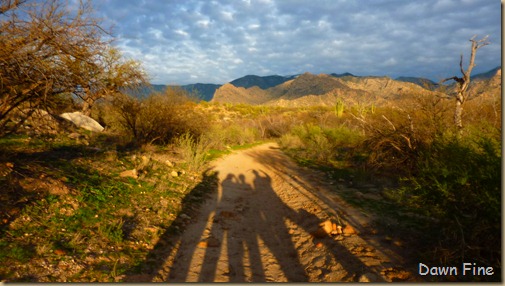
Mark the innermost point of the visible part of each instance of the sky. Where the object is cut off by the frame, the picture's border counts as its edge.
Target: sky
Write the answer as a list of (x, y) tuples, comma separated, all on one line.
[(202, 41)]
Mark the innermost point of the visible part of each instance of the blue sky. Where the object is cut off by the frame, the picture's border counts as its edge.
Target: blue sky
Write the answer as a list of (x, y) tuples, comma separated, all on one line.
[(190, 41)]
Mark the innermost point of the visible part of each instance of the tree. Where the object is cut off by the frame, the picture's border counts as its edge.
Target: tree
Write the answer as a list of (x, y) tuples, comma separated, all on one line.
[(463, 83), (49, 48), (114, 73)]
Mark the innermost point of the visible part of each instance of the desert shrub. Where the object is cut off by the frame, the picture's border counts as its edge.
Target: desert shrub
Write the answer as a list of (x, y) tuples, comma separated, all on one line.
[(318, 143), (194, 151), (221, 135), (158, 118), (396, 135), (458, 182), (274, 125)]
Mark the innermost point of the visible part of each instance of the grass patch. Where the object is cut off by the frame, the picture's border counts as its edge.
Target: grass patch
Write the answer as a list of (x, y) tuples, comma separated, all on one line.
[(65, 202)]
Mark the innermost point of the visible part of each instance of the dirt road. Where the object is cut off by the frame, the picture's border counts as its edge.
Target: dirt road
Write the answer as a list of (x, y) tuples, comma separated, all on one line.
[(262, 224)]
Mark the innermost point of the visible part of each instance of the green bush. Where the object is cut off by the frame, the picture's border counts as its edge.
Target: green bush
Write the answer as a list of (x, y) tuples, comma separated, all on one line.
[(458, 182), (194, 151), (321, 144)]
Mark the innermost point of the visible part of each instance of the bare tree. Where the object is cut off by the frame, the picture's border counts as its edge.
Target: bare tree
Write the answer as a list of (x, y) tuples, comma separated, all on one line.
[(114, 73), (463, 83), (48, 48)]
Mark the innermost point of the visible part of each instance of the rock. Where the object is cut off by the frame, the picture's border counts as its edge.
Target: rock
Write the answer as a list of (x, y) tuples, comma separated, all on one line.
[(174, 174), (319, 261), (74, 135), (129, 173), (60, 252), (168, 163), (83, 121), (369, 277), (348, 230), (39, 122), (185, 216), (338, 238), (326, 226)]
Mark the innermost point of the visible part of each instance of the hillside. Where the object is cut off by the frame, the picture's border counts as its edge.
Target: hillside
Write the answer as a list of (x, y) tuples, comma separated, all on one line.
[(232, 94), (204, 91), (323, 89), (262, 82)]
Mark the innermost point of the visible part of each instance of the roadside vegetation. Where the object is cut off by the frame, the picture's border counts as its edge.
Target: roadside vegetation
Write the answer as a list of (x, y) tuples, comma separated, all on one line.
[(96, 205)]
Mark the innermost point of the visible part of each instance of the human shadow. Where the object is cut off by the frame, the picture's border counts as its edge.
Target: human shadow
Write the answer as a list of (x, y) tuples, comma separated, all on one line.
[(172, 237), (240, 236), (263, 229)]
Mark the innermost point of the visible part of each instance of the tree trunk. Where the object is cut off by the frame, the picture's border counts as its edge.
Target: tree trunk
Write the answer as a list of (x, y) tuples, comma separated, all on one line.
[(458, 112)]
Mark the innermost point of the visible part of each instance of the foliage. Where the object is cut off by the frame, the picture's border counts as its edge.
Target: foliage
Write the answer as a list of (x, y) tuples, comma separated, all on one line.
[(50, 50), (194, 152), (318, 143), (458, 183), (157, 118), (98, 216)]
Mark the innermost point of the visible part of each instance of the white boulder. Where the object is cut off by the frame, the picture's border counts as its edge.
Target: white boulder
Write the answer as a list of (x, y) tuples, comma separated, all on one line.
[(83, 121)]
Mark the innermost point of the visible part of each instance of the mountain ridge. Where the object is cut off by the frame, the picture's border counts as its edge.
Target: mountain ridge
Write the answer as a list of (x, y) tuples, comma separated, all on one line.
[(272, 87)]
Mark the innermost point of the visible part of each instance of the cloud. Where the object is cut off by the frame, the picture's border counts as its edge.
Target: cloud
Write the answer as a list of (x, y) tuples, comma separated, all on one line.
[(218, 41)]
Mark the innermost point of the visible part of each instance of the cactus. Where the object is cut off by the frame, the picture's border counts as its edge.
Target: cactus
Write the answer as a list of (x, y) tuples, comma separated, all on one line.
[(339, 108)]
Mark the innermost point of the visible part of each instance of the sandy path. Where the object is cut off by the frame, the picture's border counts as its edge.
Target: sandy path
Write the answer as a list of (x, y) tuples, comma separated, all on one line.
[(258, 226)]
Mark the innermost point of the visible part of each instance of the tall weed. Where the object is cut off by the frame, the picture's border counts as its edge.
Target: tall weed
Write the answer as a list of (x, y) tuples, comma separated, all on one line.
[(194, 151)]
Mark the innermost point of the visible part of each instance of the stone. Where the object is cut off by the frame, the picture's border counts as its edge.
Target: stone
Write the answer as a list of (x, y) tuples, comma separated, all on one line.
[(369, 277), (60, 252), (74, 135), (185, 216), (82, 121), (326, 226), (129, 173), (348, 230), (174, 174), (319, 261), (168, 163)]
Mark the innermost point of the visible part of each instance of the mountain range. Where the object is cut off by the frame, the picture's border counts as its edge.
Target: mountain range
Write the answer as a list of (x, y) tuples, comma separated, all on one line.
[(310, 89)]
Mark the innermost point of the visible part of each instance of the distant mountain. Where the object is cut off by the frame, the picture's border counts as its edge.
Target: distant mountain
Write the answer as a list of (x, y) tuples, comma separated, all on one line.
[(487, 75), (306, 84), (262, 82), (341, 74), (322, 89), (204, 91), (423, 82)]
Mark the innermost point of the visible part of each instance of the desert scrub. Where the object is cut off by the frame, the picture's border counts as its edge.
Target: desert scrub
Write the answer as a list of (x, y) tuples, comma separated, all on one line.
[(194, 151), (320, 144), (458, 182), (158, 118), (66, 207)]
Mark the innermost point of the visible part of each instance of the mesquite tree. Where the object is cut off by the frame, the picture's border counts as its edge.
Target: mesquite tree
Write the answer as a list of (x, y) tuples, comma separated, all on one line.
[(463, 83), (49, 49)]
